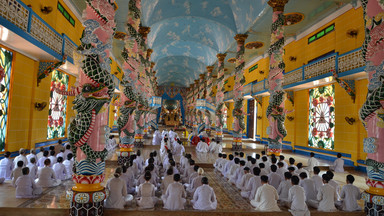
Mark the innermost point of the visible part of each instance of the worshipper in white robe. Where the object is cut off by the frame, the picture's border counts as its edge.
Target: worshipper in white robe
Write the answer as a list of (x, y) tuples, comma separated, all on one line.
[(32, 168), (222, 163), (146, 193), (192, 175), (129, 177), (196, 181), (334, 184), (317, 179), (68, 163), (21, 157), (17, 172), (267, 165), (164, 147), (239, 173), (242, 185), (292, 163), (338, 164), (308, 185), (227, 166), (281, 170), (326, 197), (111, 143), (52, 158), (217, 162), (204, 197), (212, 146), (296, 199), (282, 160), (187, 172), (40, 154), (61, 153), (253, 164), (141, 179), (274, 178), (46, 176), (263, 169), (6, 166), (40, 162), (32, 154), (178, 149), (202, 146), (59, 168), (312, 162), (139, 161), (253, 184), (117, 191), (266, 197), (156, 140), (67, 151), (300, 169), (174, 197), (232, 173), (283, 189), (25, 186), (349, 195), (168, 179)]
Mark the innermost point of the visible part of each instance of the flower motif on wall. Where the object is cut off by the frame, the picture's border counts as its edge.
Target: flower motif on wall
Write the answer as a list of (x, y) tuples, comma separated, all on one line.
[(321, 117)]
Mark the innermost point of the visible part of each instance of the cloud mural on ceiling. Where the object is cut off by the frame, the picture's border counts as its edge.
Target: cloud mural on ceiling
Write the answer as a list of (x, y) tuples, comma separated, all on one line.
[(186, 35)]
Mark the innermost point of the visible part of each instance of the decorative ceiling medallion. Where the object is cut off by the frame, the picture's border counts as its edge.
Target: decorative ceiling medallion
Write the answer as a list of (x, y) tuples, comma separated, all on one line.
[(231, 60), (293, 18), (120, 35), (254, 45), (225, 69)]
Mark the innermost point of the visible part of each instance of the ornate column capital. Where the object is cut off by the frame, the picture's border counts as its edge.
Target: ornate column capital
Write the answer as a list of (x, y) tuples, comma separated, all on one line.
[(144, 31), (202, 76), (221, 56), (277, 5), (240, 38), (210, 69), (153, 65)]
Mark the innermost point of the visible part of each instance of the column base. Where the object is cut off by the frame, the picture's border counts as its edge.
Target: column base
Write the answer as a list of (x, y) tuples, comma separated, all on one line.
[(87, 203), (237, 146), (139, 143), (373, 205)]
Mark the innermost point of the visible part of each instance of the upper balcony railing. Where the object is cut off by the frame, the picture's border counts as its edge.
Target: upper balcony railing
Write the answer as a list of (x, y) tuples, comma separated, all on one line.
[(19, 18), (345, 64)]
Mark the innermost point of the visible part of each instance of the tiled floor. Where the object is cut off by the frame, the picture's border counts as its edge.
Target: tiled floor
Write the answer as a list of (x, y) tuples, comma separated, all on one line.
[(228, 196)]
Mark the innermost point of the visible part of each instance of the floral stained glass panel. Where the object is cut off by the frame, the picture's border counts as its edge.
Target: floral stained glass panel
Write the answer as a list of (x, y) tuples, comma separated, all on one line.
[(322, 117), (57, 106), (5, 78)]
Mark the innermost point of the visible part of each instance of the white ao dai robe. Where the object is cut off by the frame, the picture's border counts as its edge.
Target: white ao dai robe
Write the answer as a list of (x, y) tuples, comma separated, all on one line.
[(6, 167), (146, 196), (283, 190), (26, 187), (326, 197), (32, 170), (168, 179), (47, 178), (202, 147), (68, 168), (174, 198), (60, 171), (204, 198), (296, 196), (117, 193), (309, 188), (266, 199), (350, 194)]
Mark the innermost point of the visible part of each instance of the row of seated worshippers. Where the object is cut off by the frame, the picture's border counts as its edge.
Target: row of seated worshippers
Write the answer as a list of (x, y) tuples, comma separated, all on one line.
[(265, 182), (29, 173), (173, 144), (176, 184), (213, 147)]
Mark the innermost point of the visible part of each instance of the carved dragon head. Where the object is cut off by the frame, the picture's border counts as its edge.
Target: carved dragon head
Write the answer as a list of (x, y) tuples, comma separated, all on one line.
[(91, 97)]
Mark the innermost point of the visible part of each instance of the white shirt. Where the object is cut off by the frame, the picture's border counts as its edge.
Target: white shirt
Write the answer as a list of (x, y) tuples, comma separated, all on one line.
[(274, 179), (146, 195), (68, 167), (174, 198), (6, 167), (117, 192), (29, 156), (281, 172), (242, 185), (32, 170), (318, 182), (338, 165), (202, 147), (298, 171), (178, 150), (40, 162), (283, 189), (53, 160), (60, 171), (20, 158), (309, 188), (312, 162), (336, 185), (168, 179), (253, 184), (327, 197), (16, 173), (350, 194), (204, 198), (266, 199), (47, 177), (296, 196)]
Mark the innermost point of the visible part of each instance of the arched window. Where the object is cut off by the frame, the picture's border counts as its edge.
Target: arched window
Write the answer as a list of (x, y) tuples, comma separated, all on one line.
[(5, 78), (322, 117), (57, 106)]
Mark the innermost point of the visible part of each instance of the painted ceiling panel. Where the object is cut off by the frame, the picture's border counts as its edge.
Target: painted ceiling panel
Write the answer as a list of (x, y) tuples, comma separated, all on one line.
[(189, 62)]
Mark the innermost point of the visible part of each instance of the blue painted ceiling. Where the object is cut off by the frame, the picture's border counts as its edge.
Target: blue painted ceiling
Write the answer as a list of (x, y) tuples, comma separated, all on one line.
[(186, 35)]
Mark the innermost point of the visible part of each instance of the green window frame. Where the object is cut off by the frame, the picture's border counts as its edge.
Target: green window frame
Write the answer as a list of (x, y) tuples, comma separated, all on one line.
[(321, 33), (65, 13)]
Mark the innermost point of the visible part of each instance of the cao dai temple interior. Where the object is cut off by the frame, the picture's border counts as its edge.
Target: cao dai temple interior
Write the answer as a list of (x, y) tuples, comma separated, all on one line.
[(191, 107)]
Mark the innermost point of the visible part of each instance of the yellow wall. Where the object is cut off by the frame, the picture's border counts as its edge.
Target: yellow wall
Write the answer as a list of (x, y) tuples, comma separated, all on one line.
[(301, 117), (26, 125), (56, 20), (263, 65), (230, 84), (229, 115)]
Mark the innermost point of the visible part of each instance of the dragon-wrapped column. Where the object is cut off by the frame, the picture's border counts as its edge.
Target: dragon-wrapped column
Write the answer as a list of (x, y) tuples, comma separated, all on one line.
[(238, 113), (275, 110), (126, 124), (93, 94), (220, 97), (139, 120), (372, 111)]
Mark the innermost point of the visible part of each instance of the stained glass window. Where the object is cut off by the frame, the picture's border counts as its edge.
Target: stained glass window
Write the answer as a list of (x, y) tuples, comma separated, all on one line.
[(322, 117), (5, 77), (57, 106)]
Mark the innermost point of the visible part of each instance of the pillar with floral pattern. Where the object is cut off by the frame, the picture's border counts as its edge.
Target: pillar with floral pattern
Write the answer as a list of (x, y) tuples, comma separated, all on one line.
[(220, 97)]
